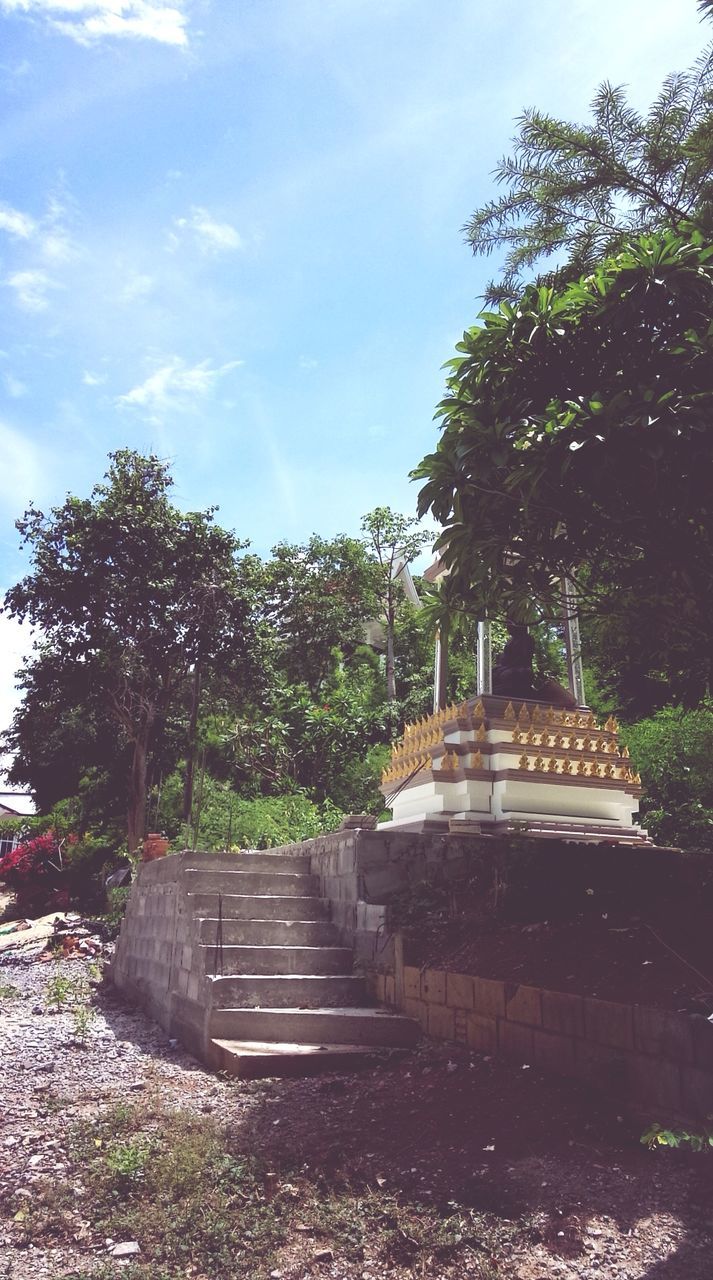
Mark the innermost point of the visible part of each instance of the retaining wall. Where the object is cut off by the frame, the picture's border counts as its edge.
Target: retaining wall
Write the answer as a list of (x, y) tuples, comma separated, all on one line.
[(157, 960), (656, 1062)]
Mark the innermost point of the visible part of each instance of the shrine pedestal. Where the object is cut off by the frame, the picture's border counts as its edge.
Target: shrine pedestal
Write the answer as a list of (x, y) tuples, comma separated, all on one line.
[(494, 765)]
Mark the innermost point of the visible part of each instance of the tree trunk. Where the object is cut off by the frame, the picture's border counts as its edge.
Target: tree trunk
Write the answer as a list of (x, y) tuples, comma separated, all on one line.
[(136, 814), (390, 665), (191, 745)]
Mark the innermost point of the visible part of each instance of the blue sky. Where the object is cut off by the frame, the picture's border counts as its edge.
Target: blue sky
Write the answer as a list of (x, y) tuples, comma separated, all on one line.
[(230, 234)]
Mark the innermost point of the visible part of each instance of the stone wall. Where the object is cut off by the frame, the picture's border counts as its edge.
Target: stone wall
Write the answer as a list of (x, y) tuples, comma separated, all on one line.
[(657, 1063)]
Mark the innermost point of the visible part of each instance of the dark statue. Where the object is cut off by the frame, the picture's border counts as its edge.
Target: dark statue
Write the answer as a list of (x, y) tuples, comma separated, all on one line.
[(513, 675)]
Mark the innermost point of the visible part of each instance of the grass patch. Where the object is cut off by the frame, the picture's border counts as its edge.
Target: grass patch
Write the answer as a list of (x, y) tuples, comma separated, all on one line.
[(198, 1206), (8, 992)]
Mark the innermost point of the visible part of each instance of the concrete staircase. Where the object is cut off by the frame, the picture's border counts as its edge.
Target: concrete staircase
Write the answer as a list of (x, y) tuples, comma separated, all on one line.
[(281, 992)]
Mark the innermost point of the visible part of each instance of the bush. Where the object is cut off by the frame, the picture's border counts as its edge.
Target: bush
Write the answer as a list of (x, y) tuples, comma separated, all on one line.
[(672, 750), (227, 820), (51, 872)]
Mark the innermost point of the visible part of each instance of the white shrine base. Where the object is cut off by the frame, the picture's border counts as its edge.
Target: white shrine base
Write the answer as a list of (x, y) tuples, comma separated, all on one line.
[(496, 784)]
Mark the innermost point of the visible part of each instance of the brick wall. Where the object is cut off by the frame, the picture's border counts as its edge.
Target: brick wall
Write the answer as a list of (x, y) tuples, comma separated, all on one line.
[(657, 1062)]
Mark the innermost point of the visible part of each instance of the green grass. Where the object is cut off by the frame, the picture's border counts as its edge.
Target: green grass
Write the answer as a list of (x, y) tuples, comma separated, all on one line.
[(175, 1182), (8, 992)]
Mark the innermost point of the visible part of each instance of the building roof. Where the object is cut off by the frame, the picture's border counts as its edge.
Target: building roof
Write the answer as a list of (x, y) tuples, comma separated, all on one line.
[(16, 804)]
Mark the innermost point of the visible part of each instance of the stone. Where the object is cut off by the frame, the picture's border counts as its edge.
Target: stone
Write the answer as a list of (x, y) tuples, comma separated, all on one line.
[(127, 1249)]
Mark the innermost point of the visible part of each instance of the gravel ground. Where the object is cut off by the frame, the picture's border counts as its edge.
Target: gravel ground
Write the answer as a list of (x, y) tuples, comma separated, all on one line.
[(563, 1183)]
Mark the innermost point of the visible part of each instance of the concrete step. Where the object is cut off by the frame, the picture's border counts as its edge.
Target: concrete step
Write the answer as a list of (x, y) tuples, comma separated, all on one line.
[(350, 1026), (251, 1059), (278, 960), (283, 884), (271, 933), (267, 906), (258, 860), (287, 991)]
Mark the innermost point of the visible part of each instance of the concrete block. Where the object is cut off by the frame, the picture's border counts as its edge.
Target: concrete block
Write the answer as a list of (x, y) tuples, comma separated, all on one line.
[(603, 1066), (523, 1004), (192, 989), (390, 989), (412, 982), (653, 1083), (515, 1042), (379, 986), (606, 1022), (441, 1022), (459, 990), (182, 981), (460, 1030), (489, 997), (563, 1013), (433, 986), (186, 957), (697, 1092), (554, 1053), (418, 1010), (481, 1033), (663, 1033)]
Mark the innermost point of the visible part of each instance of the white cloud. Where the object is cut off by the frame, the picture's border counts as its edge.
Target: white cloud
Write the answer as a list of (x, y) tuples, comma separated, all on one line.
[(21, 472), (88, 21), (137, 286), (16, 223), (14, 386), (93, 379), (210, 235), (174, 386), (31, 289)]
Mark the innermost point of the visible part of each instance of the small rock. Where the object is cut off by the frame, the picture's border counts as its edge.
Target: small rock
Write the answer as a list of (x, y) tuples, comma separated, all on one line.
[(323, 1255), (128, 1249)]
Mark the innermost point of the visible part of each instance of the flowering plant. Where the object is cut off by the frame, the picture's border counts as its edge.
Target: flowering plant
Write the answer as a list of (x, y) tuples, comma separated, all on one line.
[(36, 870)]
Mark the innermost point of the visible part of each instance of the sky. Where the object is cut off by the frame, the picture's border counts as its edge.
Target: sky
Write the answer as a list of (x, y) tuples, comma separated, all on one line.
[(230, 234)]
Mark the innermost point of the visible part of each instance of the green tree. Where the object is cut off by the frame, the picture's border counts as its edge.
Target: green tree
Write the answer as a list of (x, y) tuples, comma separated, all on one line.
[(576, 438), (672, 750), (318, 597), (125, 586), (575, 193), (393, 541)]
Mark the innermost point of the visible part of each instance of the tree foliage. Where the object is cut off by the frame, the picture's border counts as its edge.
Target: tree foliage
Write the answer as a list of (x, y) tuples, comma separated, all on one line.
[(134, 594), (574, 193), (576, 437), (673, 751)]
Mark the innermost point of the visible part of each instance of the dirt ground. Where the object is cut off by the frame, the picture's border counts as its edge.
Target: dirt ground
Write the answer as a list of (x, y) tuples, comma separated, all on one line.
[(535, 1179), (661, 961)]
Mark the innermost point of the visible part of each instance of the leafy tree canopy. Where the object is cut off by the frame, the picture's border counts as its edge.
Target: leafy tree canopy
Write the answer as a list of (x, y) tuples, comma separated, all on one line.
[(576, 192), (576, 432), (136, 593)]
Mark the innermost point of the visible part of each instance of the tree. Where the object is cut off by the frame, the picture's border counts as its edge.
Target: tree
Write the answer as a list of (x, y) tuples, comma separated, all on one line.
[(393, 541), (577, 192), (576, 439), (135, 594), (319, 597)]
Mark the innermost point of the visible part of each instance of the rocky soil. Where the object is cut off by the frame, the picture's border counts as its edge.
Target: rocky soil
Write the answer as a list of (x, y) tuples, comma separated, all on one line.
[(553, 1183)]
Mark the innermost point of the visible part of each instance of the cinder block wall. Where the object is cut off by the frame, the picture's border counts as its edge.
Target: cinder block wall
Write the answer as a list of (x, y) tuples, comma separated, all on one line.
[(157, 960), (656, 1062), (358, 870)]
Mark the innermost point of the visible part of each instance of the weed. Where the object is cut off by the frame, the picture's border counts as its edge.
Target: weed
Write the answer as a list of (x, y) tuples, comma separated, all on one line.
[(658, 1136), (8, 992), (82, 1017), (58, 990)]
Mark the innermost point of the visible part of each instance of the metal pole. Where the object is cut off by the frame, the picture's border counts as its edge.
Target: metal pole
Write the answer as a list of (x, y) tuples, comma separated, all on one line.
[(440, 673), (483, 660), (573, 641)]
